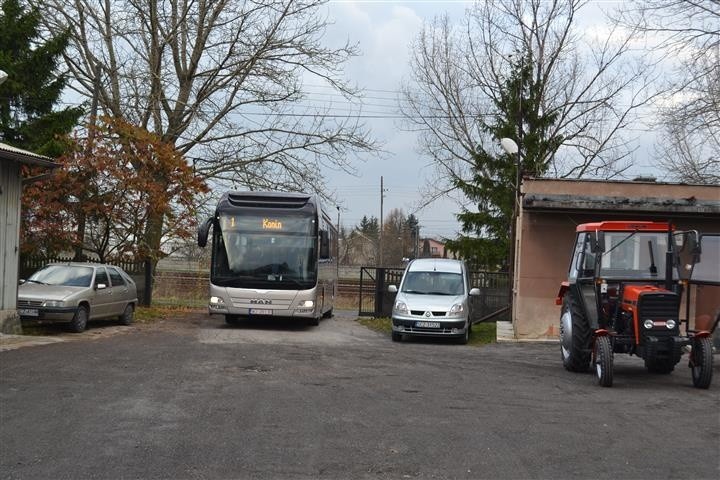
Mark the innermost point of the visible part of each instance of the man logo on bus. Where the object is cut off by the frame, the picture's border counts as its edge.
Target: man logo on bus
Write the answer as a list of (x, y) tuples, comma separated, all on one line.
[(268, 224)]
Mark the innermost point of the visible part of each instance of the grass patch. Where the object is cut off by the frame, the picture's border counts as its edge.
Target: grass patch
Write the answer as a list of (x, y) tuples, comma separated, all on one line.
[(482, 333), (155, 313)]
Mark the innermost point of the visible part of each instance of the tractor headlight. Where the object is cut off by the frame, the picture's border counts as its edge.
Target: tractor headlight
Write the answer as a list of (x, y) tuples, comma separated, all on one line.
[(670, 324), (648, 324)]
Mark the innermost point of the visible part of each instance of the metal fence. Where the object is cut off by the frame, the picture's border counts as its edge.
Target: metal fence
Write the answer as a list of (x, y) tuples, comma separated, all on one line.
[(493, 303)]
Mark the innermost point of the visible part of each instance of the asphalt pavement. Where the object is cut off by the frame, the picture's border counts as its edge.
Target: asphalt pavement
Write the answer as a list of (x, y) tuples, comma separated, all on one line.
[(191, 398)]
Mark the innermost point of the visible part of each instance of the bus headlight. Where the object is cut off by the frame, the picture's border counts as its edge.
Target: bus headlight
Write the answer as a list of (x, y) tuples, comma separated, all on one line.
[(306, 304), (217, 303)]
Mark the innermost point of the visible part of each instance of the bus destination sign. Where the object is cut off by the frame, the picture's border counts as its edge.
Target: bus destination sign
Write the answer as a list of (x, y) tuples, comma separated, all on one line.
[(271, 224)]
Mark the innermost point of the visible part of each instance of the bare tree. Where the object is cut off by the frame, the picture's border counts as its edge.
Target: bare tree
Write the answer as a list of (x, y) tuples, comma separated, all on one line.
[(687, 35), (219, 80), (593, 84)]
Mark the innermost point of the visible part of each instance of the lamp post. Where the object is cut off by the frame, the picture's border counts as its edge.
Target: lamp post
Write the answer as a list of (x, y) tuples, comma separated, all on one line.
[(511, 148)]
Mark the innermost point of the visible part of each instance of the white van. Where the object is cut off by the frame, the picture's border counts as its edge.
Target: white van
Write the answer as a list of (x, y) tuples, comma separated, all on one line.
[(433, 300)]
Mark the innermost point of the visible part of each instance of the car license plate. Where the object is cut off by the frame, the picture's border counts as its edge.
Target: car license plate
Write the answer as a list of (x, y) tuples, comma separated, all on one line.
[(427, 324), (260, 311), (28, 312)]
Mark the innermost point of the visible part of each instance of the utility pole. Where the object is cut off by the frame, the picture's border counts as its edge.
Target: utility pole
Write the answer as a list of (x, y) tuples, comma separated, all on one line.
[(382, 198)]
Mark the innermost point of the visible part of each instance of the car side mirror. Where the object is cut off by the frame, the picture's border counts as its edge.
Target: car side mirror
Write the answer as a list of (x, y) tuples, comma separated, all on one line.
[(203, 232), (22, 280), (474, 292), (392, 288), (100, 286)]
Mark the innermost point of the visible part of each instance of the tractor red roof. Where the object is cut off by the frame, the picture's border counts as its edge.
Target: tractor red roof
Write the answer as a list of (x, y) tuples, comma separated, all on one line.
[(625, 225)]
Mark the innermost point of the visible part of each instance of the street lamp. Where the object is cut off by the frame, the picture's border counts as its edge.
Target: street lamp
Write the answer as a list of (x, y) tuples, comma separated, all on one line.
[(511, 148)]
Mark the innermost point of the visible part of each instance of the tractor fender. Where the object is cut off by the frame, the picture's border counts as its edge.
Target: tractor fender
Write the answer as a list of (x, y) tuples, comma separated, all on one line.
[(564, 287), (601, 332)]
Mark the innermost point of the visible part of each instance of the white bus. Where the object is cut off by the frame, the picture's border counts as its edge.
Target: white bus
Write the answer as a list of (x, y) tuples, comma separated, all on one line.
[(274, 254)]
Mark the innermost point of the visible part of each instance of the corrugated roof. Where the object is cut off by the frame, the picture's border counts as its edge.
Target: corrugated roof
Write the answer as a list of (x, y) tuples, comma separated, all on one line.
[(14, 154)]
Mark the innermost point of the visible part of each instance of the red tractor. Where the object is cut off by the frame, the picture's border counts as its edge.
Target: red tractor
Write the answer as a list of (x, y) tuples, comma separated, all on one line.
[(615, 301)]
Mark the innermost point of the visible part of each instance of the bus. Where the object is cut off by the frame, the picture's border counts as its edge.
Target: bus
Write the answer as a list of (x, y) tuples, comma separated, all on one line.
[(274, 254)]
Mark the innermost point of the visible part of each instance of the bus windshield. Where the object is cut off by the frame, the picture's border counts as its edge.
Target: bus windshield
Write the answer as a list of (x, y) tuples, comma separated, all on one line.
[(264, 251)]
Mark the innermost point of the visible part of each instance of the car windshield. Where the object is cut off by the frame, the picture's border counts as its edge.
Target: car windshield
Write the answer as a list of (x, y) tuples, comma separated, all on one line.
[(433, 283), (66, 275)]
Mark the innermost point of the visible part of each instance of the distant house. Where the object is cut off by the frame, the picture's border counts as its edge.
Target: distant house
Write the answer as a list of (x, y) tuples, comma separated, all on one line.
[(11, 161), (432, 248)]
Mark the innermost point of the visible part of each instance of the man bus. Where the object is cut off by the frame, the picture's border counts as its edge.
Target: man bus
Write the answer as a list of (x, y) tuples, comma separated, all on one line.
[(273, 255)]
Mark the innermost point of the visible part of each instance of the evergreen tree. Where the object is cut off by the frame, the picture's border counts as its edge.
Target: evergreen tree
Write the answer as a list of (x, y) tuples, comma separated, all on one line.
[(33, 86), (486, 243), (369, 227)]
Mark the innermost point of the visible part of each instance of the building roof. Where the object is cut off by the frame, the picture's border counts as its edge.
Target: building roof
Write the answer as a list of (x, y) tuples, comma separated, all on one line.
[(14, 154)]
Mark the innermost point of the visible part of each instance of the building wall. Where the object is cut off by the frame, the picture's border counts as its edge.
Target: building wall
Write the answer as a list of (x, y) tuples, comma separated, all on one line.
[(10, 188), (546, 240)]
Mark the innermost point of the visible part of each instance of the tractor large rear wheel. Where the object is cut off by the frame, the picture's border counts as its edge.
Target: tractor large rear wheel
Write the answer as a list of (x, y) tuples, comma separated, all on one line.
[(603, 356), (575, 336), (701, 362)]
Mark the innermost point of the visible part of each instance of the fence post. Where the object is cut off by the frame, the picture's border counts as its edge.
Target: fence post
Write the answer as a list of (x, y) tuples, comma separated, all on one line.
[(379, 291), (147, 294)]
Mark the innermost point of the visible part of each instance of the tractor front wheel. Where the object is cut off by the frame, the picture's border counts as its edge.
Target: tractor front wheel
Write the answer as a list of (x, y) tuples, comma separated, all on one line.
[(575, 336), (603, 357), (701, 362)]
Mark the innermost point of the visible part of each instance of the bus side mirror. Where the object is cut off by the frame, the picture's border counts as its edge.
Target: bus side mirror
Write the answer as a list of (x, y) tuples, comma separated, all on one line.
[(203, 232), (324, 245)]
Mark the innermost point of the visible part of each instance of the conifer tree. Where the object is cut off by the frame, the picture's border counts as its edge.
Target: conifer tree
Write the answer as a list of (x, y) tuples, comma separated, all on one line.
[(28, 96)]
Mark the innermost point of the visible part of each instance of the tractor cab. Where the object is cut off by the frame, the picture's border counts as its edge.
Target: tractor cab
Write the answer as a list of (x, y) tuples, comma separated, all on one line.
[(623, 295)]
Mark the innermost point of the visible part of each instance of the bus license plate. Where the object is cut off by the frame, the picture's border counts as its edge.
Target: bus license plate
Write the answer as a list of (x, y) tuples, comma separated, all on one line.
[(260, 311), (28, 312), (427, 324)]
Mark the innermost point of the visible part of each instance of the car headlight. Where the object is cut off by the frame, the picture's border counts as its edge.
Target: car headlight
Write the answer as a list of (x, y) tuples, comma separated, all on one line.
[(401, 307), (457, 308), (53, 303)]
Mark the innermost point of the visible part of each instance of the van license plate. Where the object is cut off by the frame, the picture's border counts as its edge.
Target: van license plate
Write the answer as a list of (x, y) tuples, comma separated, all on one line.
[(427, 324), (260, 311), (28, 312)]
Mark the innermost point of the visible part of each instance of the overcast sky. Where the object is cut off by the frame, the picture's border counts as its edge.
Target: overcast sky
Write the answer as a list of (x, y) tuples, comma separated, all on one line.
[(384, 31)]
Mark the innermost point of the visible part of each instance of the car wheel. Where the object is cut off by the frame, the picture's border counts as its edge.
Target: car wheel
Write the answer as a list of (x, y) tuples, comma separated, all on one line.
[(396, 337), (127, 317), (701, 364), (465, 338), (575, 336), (603, 356), (79, 321)]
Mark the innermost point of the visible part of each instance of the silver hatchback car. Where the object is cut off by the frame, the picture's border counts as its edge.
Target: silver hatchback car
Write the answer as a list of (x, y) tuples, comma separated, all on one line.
[(75, 293), (433, 300)]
